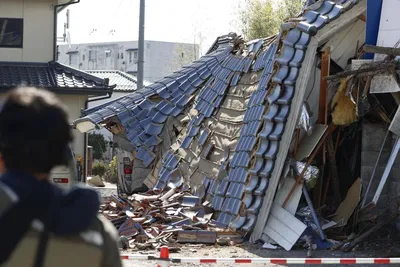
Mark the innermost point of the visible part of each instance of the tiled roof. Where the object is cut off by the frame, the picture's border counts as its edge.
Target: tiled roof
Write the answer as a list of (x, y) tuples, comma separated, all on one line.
[(124, 82), (237, 191), (52, 75)]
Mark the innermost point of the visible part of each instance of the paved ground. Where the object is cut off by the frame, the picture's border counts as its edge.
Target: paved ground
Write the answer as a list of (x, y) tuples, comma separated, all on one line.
[(378, 249)]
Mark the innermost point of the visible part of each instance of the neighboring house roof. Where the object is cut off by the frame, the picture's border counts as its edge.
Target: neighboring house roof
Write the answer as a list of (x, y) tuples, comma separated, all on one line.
[(248, 100), (53, 76), (123, 81)]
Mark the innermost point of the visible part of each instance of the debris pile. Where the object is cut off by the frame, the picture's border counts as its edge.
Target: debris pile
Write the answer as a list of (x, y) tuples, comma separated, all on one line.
[(150, 220)]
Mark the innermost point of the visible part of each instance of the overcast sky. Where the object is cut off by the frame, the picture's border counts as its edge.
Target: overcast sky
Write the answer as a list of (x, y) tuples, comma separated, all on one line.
[(165, 20)]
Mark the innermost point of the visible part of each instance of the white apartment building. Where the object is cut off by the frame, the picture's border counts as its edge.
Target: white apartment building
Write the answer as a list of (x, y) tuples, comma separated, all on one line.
[(160, 58)]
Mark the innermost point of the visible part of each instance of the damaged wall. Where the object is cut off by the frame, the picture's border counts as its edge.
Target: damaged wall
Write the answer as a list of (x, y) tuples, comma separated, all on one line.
[(373, 136)]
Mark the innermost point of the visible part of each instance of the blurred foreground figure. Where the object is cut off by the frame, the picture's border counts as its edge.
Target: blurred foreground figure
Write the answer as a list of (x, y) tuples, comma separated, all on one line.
[(40, 224)]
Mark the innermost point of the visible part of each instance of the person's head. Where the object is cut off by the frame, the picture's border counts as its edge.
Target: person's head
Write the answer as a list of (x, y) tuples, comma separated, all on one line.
[(34, 131)]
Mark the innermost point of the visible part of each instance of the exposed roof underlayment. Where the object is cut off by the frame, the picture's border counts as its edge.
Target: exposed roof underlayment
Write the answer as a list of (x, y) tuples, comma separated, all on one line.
[(240, 103)]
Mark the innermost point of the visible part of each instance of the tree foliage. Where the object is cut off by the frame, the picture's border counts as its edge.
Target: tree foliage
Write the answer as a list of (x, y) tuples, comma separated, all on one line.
[(99, 144), (99, 168), (262, 18)]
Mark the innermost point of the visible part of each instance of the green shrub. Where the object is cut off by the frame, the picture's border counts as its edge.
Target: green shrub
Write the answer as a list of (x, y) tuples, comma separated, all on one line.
[(99, 168), (111, 174)]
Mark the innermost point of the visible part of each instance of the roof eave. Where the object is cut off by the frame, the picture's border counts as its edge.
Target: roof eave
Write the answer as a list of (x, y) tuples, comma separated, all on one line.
[(68, 90)]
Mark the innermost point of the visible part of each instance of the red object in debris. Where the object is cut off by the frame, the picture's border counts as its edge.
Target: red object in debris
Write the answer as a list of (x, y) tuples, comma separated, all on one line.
[(128, 170), (164, 257), (61, 180)]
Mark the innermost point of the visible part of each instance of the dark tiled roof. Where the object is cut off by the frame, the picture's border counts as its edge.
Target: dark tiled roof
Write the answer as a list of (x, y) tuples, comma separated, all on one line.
[(123, 82), (143, 119), (52, 75), (239, 194)]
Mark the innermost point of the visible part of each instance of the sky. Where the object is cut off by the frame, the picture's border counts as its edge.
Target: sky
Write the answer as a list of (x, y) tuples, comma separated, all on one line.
[(189, 21)]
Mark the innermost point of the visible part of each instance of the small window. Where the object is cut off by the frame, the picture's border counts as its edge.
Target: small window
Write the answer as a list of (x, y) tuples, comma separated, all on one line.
[(108, 53), (183, 55), (83, 57), (92, 55), (11, 31), (118, 55), (73, 59), (122, 55), (130, 57), (135, 55)]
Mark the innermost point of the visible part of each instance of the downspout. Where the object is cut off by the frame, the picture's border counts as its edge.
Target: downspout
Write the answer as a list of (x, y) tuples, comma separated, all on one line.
[(55, 25), (85, 135)]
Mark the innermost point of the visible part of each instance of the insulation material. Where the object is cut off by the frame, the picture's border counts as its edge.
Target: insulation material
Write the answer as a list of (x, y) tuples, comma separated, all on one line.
[(231, 130), (231, 115), (310, 175), (209, 167), (242, 90), (304, 122), (343, 106), (235, 103)]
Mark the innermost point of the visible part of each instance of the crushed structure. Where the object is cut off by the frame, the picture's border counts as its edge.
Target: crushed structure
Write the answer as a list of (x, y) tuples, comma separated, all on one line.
[(258, 132)]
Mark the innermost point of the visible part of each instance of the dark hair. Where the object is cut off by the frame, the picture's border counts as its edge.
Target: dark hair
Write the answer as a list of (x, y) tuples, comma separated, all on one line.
[(34, 131)]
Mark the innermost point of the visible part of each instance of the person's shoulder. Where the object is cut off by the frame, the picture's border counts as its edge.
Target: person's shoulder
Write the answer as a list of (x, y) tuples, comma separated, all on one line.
[(108, 227)]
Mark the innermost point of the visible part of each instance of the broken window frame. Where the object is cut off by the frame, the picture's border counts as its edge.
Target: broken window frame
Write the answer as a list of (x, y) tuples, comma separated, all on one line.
[(17, 28)]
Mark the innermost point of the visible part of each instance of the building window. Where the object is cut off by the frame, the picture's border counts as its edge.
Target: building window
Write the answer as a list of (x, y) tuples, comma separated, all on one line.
[(11, 31), (73, 59), (130, 57), (122, 55), (108, 53), (83, 57), (135, 55), (92, 55)]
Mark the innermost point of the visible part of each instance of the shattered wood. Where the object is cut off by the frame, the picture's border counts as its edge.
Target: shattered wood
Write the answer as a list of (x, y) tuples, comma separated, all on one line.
[(152, 219), (370, 69)]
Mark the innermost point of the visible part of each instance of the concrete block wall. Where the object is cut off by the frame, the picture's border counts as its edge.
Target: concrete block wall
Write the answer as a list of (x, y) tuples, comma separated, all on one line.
[(373, 136), (372, 139)]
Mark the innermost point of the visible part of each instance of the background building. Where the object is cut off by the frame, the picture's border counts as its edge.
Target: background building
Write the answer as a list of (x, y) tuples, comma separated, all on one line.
[(160, 58)]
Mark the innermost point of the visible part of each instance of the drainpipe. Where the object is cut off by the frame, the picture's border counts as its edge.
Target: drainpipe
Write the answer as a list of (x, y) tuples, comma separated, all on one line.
[(85, 135), (140, 76), (55, 25)]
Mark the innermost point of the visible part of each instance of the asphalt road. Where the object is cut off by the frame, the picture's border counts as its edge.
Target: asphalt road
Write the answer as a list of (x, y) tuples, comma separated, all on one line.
[(255, 251)]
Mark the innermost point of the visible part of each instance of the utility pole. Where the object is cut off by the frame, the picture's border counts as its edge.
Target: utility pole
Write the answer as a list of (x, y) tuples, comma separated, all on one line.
[(141, 46)]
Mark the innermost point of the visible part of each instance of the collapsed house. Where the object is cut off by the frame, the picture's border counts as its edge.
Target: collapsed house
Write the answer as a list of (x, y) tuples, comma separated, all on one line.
[(252, 127)]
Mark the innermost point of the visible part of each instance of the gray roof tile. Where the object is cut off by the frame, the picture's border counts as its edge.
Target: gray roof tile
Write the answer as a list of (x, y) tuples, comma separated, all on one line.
[(52, 76), (124, 82)]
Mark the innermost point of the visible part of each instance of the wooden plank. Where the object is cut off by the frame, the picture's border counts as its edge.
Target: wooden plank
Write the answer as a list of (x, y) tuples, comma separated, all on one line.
[(366, 71), (283, 192), (309, 142), (349, 51), (323, 88), (394, 126), (349, 204), (390, 51), (283, 227)]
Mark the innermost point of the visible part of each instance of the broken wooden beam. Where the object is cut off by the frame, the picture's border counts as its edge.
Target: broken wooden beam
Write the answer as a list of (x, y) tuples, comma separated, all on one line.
[(348, 246), (370, 69), (299, 178), (323, 93), (390, 51)]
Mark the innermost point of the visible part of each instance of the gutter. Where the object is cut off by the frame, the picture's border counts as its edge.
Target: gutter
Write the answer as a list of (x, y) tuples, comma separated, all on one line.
[(56, 10)]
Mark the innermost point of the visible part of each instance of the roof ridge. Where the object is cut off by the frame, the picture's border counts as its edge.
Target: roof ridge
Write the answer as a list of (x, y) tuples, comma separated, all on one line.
[(86, 75)]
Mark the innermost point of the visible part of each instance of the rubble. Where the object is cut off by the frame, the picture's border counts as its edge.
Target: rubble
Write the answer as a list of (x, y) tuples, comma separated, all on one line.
[(172, 217)]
